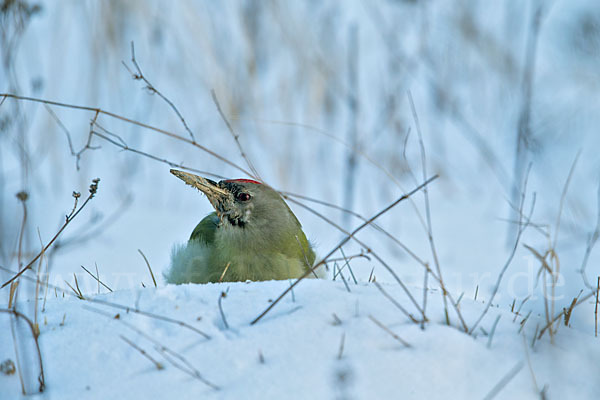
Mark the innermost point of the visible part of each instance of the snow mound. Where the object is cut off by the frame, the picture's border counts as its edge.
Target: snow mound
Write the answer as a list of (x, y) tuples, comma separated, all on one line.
[(320, 343)]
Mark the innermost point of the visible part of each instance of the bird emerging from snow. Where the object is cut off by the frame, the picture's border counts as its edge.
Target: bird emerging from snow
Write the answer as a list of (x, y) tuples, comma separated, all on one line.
[(251, 235)]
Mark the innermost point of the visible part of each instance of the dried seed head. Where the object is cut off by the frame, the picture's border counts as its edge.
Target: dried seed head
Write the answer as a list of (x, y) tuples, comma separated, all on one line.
[(22, 195), (76, 195), (94, 186)]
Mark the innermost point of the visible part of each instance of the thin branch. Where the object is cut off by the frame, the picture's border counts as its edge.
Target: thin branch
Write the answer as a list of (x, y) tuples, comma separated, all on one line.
[(133, 122), (119, 142), (152, 89)]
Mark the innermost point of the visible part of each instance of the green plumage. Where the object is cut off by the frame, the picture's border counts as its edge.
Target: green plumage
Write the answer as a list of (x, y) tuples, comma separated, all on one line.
[(256, 239)]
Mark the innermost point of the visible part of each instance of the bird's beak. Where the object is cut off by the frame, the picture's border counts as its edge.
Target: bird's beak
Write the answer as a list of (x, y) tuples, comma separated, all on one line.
[(215, 194)]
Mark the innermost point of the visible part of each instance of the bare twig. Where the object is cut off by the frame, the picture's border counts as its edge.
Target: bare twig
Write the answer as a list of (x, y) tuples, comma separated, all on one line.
[(130, 121), (150, 87), (93, 189), (117, 141)]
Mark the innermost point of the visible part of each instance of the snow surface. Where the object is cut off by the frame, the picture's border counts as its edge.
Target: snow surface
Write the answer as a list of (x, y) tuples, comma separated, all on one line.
[(299, 341)]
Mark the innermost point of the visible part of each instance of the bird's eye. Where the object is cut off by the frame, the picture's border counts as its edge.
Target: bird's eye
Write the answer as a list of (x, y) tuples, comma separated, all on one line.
[(244, 196)]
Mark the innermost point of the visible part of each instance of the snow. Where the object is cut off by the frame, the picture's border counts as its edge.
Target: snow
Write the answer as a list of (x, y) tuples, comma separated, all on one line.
[(280, 71), (299, 341)]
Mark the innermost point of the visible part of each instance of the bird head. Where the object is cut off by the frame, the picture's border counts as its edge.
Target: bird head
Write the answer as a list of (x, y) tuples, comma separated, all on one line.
[(241, 202)]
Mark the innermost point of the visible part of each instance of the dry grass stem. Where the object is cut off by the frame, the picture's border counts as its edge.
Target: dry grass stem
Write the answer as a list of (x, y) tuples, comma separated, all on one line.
[(221, 297), (504, 381), (491, 336), (149, 267), (394, 302), (428, 217), (224, 272), (596, 309), (97, 279), (143, 352), (341, 348), (389, 331)]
